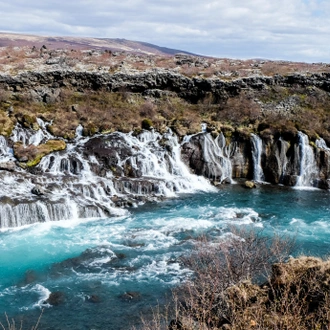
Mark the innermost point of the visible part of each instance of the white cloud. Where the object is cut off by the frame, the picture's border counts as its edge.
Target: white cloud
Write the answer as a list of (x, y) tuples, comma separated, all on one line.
[(294, 29)]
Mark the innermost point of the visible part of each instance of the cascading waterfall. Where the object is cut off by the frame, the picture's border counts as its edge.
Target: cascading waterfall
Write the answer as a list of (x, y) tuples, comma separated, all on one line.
[(30, 136), (224, 155), (6, 153), (74, 184), (215, 156), (256, 144), (308, 169), (282, 149), (164, 164), (321, 144), (97, 176)]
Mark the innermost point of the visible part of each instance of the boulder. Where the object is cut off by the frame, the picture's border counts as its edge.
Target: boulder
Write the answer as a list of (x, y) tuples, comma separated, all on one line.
[(250, 184), (55, 298), (7, 166), (226, 180), (38, 190), (130, 295), (290, 180), (93, 299), (30, 276)]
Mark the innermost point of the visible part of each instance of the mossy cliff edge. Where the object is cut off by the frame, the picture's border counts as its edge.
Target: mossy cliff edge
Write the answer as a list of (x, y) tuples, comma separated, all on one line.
[(127, 98), (121, 100)]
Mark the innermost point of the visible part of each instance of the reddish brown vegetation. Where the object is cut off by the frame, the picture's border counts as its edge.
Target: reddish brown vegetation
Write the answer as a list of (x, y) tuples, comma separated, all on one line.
[(244, 283)]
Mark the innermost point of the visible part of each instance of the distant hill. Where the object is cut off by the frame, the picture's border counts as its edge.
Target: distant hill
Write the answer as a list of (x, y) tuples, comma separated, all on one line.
[(113, 44)]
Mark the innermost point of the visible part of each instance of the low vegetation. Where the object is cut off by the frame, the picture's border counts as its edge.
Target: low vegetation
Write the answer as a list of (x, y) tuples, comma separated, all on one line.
[(248, 282), (18, 59), (268, 110), (10, 324)]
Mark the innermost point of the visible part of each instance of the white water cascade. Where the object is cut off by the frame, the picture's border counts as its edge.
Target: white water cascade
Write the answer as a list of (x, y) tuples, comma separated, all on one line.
[(156, 162), (6, 153), (256, 144), (224, 155), (29, 136), (321, 144), (216, 155), (307, 165), (282, 157), (80, 182)]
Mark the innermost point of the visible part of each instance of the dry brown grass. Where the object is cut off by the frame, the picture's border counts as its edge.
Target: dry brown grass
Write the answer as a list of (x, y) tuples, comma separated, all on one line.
[(11, 324), (246, 283), (105, 111)]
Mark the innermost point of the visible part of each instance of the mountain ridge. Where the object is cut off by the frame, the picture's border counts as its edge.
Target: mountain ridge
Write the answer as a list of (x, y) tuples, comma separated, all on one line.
[(84, 43)]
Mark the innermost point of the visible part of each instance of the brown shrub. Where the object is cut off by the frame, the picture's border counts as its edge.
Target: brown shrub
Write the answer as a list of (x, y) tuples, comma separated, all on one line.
[(221, 290), (147, 109), (238, 110)]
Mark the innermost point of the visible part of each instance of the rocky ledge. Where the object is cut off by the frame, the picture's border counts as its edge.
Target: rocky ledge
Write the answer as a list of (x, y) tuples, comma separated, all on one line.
[(76, 143)]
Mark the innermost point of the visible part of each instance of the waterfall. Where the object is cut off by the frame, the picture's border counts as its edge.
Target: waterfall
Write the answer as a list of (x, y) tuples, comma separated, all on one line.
[(6, 153), (307, 165), (282, 158), (213, 156), (29, 136), (3, 146), (256, 144), (158, 157), (320, 143), (93, 177), (224, 156)]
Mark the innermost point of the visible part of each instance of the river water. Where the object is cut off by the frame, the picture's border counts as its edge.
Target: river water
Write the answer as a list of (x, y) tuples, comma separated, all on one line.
[(110, 271)]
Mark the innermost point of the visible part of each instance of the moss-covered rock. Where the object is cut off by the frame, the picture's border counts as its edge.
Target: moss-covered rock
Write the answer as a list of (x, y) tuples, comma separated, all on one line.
[(31, 155), (28, 120), (6, 124), (146, 123)]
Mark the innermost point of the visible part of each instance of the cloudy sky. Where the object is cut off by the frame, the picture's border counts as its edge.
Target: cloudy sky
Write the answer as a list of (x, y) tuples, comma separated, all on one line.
[(297, 30)]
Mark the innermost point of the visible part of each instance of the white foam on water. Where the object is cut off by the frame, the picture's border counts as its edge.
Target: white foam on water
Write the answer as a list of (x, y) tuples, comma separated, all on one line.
[(37, 289), (305, 188), (153, 239), (325, 225), (300, 225), (162, 271), (238, 215), (180, 224), (43, 293), (99, 262)]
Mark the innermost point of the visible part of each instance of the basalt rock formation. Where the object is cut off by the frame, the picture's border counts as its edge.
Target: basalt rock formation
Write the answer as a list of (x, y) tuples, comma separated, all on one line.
[(78, 143), (46, 85)]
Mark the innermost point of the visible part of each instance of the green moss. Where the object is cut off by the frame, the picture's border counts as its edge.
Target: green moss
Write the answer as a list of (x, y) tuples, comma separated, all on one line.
[(43, 150), (146, 124), (29, 121), (312, 144)]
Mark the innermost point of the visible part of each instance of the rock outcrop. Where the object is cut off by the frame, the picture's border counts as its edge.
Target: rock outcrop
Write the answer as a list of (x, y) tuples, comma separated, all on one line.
[(46, 86), (65, 150)]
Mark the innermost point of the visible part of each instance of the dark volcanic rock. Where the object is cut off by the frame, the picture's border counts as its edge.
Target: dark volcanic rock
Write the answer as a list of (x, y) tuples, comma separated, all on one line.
[(130, 295), (192, 89), (94, 299), (55, 298), (38, 190)]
